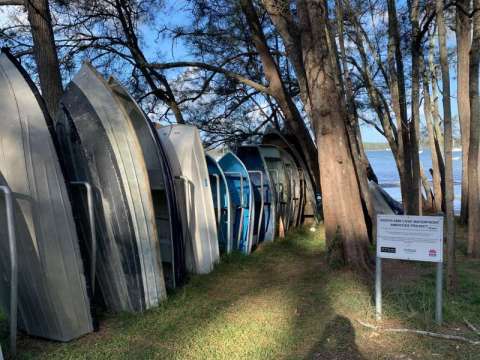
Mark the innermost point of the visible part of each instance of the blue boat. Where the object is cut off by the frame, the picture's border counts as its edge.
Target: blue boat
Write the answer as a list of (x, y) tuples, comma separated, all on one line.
[(241, 196), (221, 204), (264, 191)]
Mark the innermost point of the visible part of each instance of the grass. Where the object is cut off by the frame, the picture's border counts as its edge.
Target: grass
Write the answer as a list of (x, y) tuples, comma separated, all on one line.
[(282, 302)]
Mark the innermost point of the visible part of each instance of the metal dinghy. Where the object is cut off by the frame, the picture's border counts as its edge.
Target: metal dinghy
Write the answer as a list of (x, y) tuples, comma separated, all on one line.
[(264, 190), (101, 147), (221, 204), (293, 208), (162, 185), (241, 195), (308, 202), (52, 295), (184, 149), (276, 168)]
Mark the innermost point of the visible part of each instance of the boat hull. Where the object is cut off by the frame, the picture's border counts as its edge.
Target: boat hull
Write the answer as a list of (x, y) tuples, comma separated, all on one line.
[(52, 295), (101, 147), (184, 150)]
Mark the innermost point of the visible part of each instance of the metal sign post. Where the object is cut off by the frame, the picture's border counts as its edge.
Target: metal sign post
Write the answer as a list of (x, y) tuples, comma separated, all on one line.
[(415, 238)]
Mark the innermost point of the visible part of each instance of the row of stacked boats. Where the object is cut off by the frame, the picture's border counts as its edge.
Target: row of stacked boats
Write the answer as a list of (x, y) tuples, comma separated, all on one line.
[(111, 210)]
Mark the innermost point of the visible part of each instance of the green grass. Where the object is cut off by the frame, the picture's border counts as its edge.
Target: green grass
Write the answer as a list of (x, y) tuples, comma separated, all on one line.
[(282, 302)]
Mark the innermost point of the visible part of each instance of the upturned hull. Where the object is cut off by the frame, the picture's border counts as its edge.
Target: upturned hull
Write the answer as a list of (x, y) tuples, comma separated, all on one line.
[(52, 295)]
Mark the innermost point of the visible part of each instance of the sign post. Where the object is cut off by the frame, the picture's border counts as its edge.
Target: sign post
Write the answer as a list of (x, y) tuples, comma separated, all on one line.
[(415, 238)]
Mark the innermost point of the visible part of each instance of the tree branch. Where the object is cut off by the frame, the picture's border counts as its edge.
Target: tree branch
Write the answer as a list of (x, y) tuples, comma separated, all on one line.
[(216, 69), (11, 2), (422, 332)]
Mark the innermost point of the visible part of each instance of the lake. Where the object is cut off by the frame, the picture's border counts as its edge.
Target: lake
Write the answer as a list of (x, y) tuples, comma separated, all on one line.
[(384, 166)]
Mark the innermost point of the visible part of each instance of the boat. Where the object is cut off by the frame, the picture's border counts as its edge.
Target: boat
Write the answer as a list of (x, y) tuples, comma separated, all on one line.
[(309, 202), (263, 190), (165, 205), (242, 198), (53, 301), (100, 146), (273, 158), (222, 205), (184, 150), (293, 210)]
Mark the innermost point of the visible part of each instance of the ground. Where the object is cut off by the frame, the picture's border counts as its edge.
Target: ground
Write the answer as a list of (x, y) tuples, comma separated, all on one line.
[(282, 302)]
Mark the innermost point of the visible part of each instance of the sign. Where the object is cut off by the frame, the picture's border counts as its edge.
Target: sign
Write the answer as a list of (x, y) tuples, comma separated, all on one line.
[(407, 237)]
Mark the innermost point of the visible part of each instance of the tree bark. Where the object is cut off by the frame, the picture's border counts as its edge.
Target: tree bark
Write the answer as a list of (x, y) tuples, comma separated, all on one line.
[(45, 53), (450, 220), (462, 32), (399, 105), (473, 153), (414, 126), (346, 231), (344, 220), (436, 176), (360, 159)]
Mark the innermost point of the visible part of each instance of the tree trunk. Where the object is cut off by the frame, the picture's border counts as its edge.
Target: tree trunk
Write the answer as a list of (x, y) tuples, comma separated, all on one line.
[(399, 105), (353, 129), (45, 53), (462, 32), (414, 126), (436, 176), (473, 154), (343, 214), (450, 220)]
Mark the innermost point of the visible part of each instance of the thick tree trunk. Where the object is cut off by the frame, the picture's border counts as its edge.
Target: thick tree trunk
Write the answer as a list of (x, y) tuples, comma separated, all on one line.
[(294, 122), (436, 177), (343, 214), (345, 226), (462, 32), (45, 53), (450, 220), (473, 154), (353, 129)]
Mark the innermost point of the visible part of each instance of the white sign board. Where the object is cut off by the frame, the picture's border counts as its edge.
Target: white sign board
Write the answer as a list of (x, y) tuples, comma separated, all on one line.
[(407, 237)]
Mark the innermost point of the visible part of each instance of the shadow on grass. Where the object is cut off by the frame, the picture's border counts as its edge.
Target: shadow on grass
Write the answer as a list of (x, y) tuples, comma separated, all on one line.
[(337, 342), (274, 303)]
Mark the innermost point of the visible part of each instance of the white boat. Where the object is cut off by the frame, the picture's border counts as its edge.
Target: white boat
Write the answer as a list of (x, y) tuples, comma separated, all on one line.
[(184, 150)]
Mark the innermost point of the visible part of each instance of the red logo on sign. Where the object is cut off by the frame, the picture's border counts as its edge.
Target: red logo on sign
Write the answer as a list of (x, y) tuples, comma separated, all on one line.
[(432, 253)]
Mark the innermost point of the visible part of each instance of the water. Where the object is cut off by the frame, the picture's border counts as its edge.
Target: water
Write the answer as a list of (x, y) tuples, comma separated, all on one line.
[(384, 166)]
